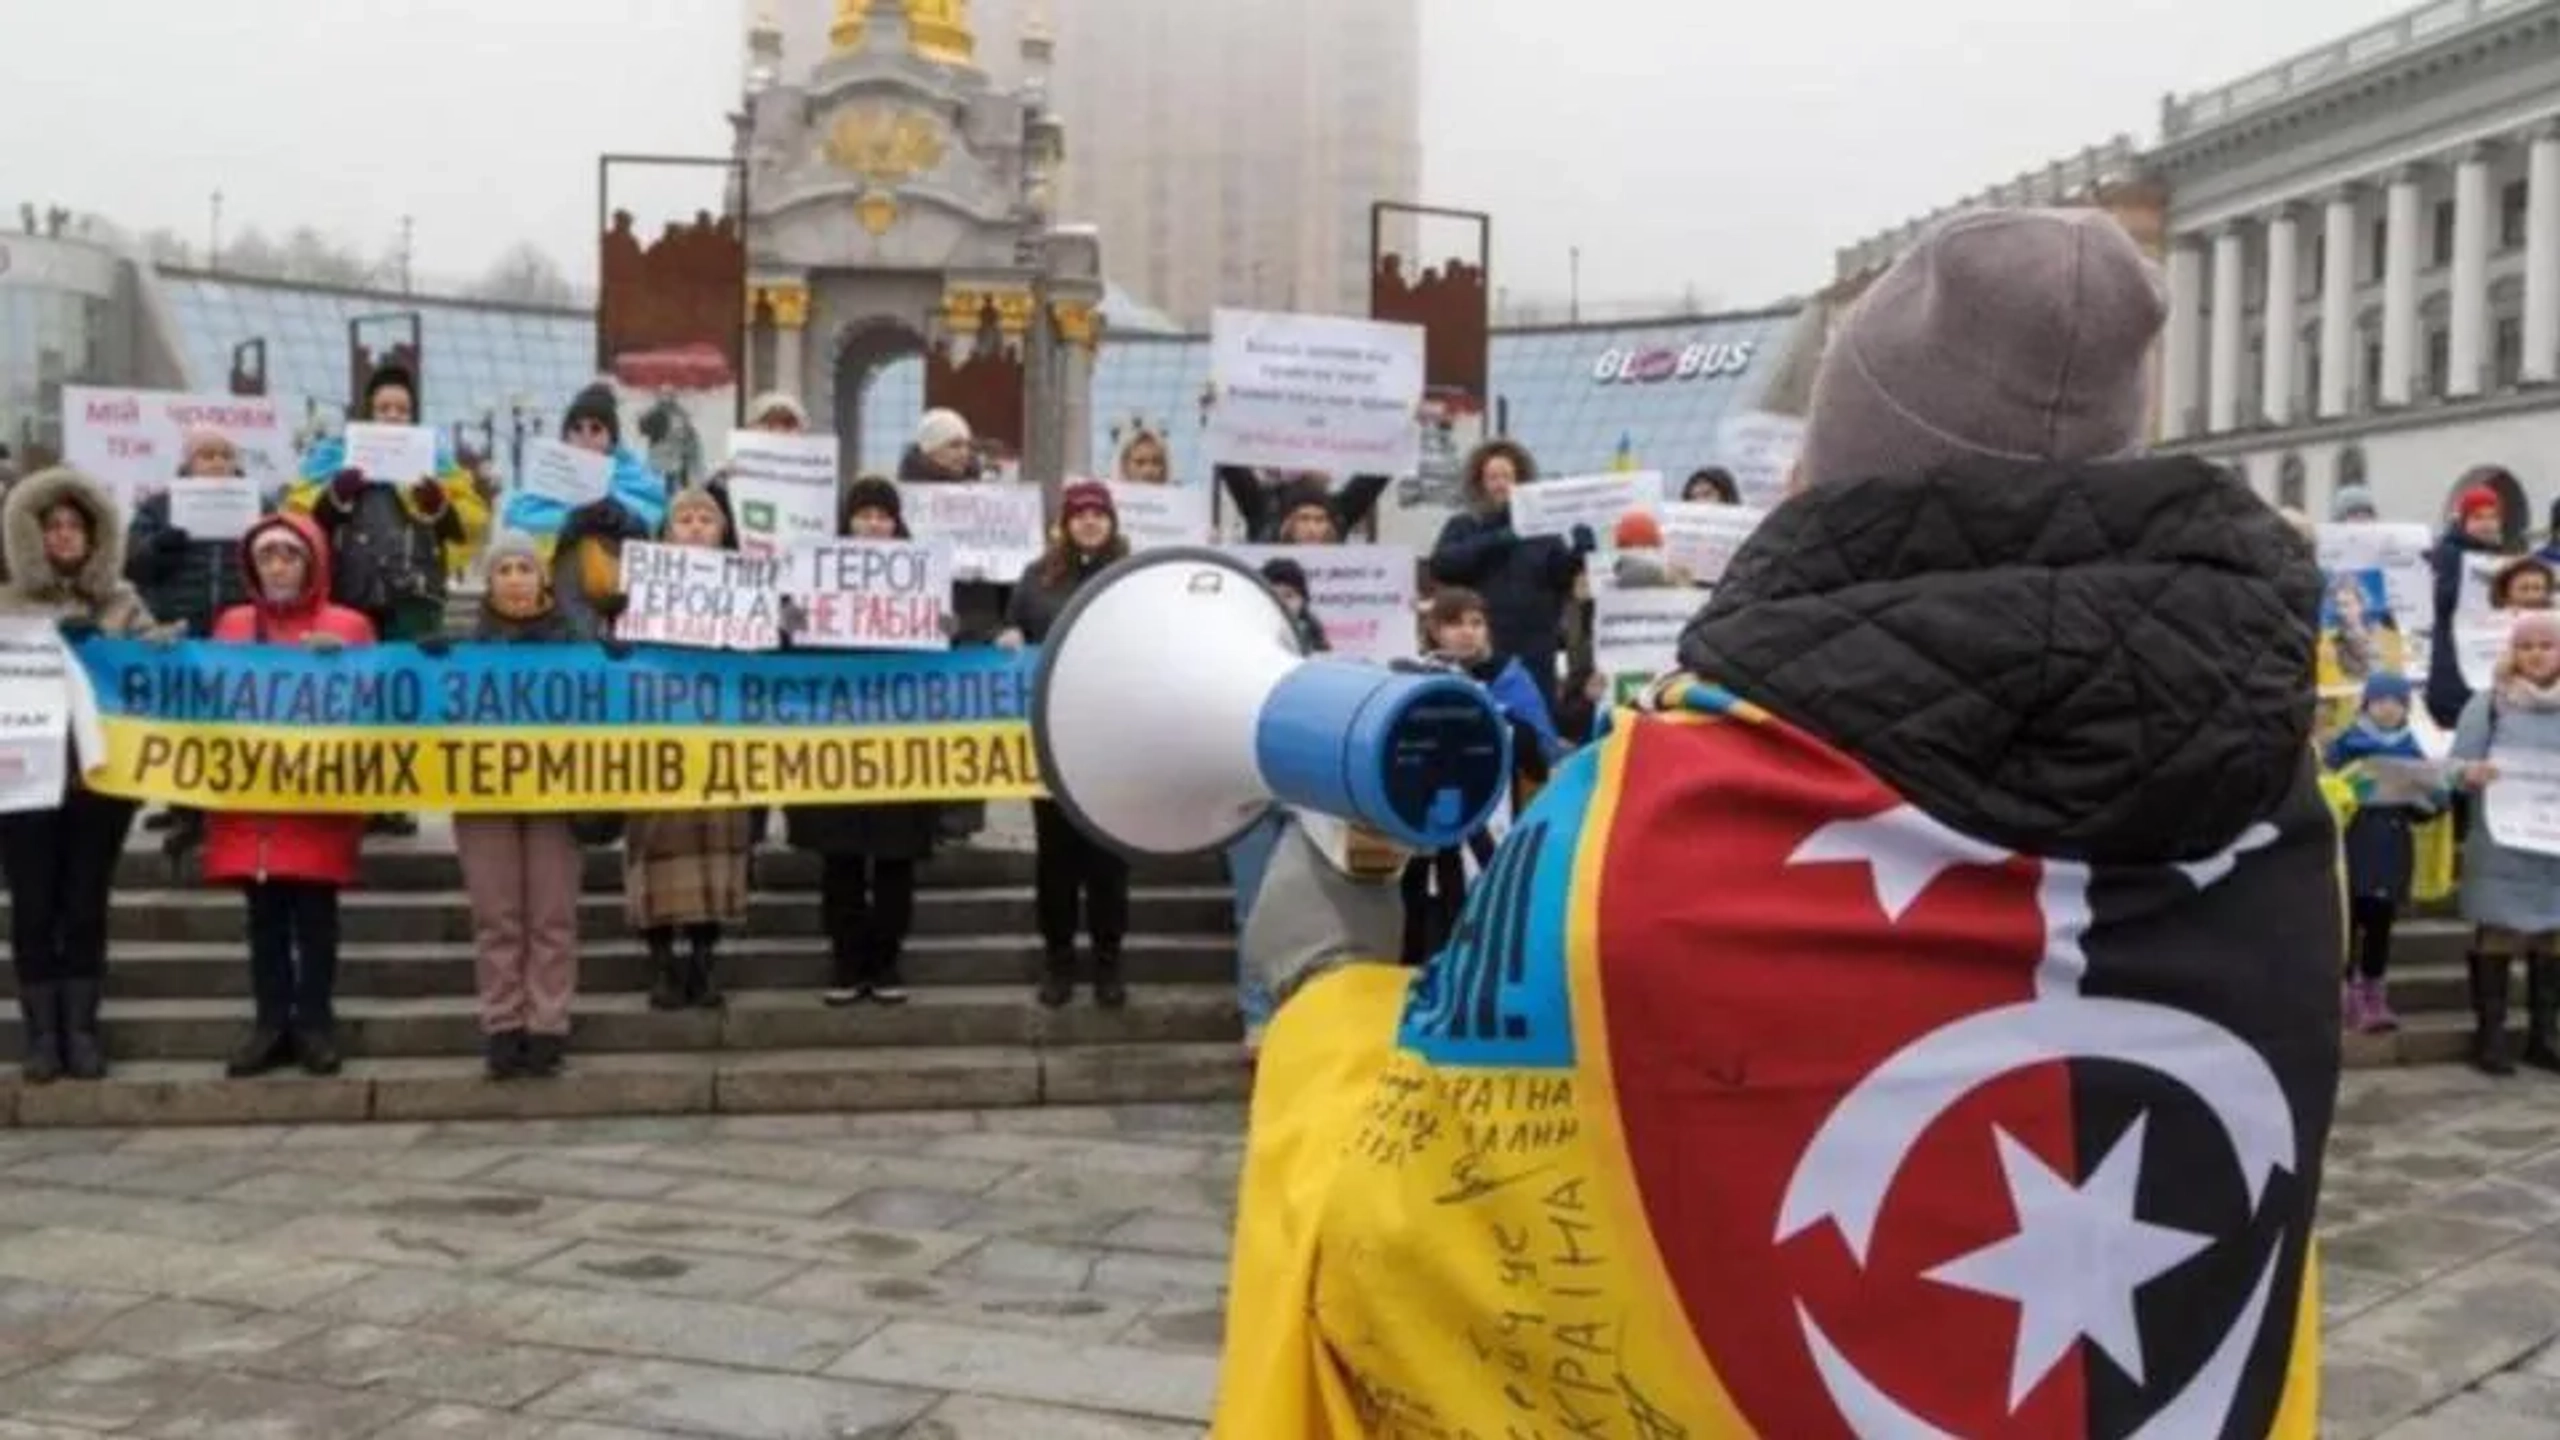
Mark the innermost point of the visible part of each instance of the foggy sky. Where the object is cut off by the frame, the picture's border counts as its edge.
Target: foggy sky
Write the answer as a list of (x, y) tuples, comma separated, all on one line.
[(1727, 146)]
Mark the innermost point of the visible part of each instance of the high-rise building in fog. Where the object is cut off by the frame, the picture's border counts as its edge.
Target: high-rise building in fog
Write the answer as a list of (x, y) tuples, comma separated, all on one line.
[(1229, 149)]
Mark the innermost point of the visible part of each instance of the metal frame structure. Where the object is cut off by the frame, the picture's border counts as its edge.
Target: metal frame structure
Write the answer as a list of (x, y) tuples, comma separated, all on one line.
[(734, 200)]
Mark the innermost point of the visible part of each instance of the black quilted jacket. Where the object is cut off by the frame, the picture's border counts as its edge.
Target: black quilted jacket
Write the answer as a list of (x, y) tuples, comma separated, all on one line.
[(2107, 662)]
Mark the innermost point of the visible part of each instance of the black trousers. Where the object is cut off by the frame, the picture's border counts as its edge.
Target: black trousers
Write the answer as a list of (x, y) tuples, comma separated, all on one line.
[(868, 906), (62, 869), (293, 953), (2369, 920), (1073, 871)]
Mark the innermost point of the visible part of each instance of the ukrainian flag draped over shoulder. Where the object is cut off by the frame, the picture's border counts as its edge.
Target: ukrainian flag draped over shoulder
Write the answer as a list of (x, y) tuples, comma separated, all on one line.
[(328, 455), (635, 487)]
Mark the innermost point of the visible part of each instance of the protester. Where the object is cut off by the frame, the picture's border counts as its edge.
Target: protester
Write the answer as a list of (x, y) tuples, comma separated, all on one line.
[(1990, 756), (65, 547), (1288, 580), (290, 867), (945, 452), (2524, 584), (2478, 528), (1299, 509), (2381, 846), (1073, 869), (1526, 582), (186, 582), (2511, 895), (523, 872), (1641, 563), (868, 853), (685, 872), (1144, 459), (775, 412), (593, 423), (1711, 486), (2353, 505)]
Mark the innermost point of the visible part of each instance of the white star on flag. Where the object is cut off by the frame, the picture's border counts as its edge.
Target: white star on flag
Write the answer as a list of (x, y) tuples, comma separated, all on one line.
[(2077, 1258), (2213, 869), (1903, 848)]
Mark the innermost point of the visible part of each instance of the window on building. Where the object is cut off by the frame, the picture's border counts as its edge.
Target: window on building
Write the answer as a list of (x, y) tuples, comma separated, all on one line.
[(2292, 487), (2511, 212), (2313, 278), (2444, 232), (2439, 361), (2373, 367), (2380, 249), (2510, 362), (2311, 377)]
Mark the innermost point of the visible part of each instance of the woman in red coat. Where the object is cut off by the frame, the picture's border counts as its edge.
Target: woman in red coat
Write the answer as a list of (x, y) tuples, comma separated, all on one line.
[(291, 866)]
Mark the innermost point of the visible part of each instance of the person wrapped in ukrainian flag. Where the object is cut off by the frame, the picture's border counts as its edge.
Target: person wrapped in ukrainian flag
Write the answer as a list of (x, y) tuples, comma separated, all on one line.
[(1919, 1017)]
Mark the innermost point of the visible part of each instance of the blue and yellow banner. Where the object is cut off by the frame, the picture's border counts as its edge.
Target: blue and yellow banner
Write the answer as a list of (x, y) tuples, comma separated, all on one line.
[(544, 728)]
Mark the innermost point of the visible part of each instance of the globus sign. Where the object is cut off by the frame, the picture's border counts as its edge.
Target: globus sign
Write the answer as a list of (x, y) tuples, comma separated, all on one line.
[(1653, 364)]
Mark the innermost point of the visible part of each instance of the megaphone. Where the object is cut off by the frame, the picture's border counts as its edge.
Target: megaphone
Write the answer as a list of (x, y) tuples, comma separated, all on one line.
[(1173, 707)]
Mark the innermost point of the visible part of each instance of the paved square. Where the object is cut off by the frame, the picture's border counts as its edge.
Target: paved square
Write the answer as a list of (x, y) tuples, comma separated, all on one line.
[(1013, 1275)]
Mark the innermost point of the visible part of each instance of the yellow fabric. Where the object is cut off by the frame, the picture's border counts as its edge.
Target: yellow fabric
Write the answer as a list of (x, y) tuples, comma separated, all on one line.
[(2339, 790), (460, 492), (2432, 877), (2298, 1414)]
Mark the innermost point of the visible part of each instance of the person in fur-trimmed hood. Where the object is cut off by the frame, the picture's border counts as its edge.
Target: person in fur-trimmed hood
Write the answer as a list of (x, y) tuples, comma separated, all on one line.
[(65, 547)]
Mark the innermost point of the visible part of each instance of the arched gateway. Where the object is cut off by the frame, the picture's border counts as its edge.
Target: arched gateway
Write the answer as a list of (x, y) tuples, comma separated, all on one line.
[(897, 205)]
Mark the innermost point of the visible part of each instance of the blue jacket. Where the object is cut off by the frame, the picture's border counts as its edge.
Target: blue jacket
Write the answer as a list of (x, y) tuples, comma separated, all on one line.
[(635, 487)]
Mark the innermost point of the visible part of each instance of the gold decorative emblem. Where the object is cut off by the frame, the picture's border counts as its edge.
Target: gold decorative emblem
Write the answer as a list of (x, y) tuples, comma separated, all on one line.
[(1076, 322), (790, 306), (1014, 309), (885, 146), (877, 210)]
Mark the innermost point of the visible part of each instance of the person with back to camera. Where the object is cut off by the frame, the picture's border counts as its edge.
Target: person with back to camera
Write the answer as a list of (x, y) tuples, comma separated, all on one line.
[(1915, 1018)]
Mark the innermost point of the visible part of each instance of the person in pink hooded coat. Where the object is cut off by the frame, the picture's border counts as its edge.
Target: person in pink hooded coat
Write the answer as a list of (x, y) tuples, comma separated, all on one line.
[(291, 866)]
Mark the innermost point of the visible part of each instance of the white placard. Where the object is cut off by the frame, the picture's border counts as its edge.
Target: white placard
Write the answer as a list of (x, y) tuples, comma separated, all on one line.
[(570, 476), (132, 440), (1361, 594), (2522, 805), (215, 507), (993, 531), (1315, 392), (872, 595), (391, 454), (1153, 515), (700, 598), (1635, 633), (1701, 538), (35, 715), (1554, 507), (2400, 550), (2479, 639), (782, 490), (1760, 450)]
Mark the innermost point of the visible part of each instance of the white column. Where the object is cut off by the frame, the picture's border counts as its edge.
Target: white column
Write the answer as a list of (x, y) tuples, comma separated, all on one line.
[(2283, 340), (2181, 370), (2400, 289), (2222, 403), (2338, 275), (2467, 348), (2542, 257)]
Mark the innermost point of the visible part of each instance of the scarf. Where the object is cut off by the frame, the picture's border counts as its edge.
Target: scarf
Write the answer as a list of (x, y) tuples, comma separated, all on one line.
[(2522, 696), (2366, 740)]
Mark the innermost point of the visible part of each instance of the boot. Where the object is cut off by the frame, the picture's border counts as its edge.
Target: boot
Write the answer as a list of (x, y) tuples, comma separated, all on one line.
[(40, 1008), (544, 1055), (2379, 1017), (1108, 991), (506, 1055), (666, 977), (84, 1057), (887, 984), (2542, 1013), (2489, 1052), (263, 1051), (1058, 976), (702, 969), (2351, 1005), (317, 1047)]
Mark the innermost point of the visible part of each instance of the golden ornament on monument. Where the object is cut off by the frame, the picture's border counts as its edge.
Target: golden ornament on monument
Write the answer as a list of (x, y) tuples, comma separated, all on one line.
[(883, 145), (790, 304), (877, 210), (1014, 309), (1075, 321)]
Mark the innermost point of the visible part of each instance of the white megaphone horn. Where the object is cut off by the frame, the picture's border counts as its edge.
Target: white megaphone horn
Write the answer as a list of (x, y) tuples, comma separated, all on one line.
[(1173, 708)]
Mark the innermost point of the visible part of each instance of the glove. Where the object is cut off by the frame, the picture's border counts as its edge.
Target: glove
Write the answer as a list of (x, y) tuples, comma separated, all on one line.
[(172, 540), (428, 499), (616, 649), (434, 647), (793, 616), (1309, 918), (347, 486), (321, 642), (612, 607), (164, 637), (76, 628), (1584, 542)]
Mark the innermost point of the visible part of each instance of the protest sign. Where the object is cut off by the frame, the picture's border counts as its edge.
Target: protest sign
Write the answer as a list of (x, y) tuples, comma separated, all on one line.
[(2399, 550), (1635, 633), (35, 715), (1760, 450), (2479, 640), (216, 507), (1154, 515), (1361, 594), (1315, 392), (391, 454), (872, 595), (993, 531), (1701, 538), (2522, 804), (566, 475), (554, 729), (132, 440), (1554, 507), (694, 596), (782, 490)]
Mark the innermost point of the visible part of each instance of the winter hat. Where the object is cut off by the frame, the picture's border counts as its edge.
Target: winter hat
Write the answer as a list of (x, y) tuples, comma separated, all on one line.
[(2386, 685), (1638, 531), (386, 376), (2353, 502), (775, 402), (1086, 495), (1283, 573), (596, 403), (2016, 335), (1307, 492), (939, 428), (2538, 624), (512, 545), (695, 498), (871, 492), (2477, 500)]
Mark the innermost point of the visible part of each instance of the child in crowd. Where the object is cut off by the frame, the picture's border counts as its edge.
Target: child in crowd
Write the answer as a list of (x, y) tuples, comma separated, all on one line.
[(187, 582), (867, 854), (684, 872), (523, 871), (2381, 848), (1288, 579), (2511, 894), (290, 867), (1073, 868), (2524, 584), (65, 548)]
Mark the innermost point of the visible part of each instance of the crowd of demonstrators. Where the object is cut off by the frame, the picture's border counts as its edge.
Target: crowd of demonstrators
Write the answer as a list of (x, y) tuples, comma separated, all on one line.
[(1302, 509), (946, 452), (1526, 582)]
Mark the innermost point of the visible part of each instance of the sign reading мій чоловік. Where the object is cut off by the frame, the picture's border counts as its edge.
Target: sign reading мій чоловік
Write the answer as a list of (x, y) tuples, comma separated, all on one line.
[(555, 728)]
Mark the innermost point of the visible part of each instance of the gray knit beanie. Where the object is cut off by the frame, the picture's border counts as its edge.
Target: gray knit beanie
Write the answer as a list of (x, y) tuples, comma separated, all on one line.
[(2015, 335)]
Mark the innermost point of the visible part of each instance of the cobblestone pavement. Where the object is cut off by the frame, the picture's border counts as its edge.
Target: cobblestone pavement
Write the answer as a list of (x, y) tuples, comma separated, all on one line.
[(1030, 1275)]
